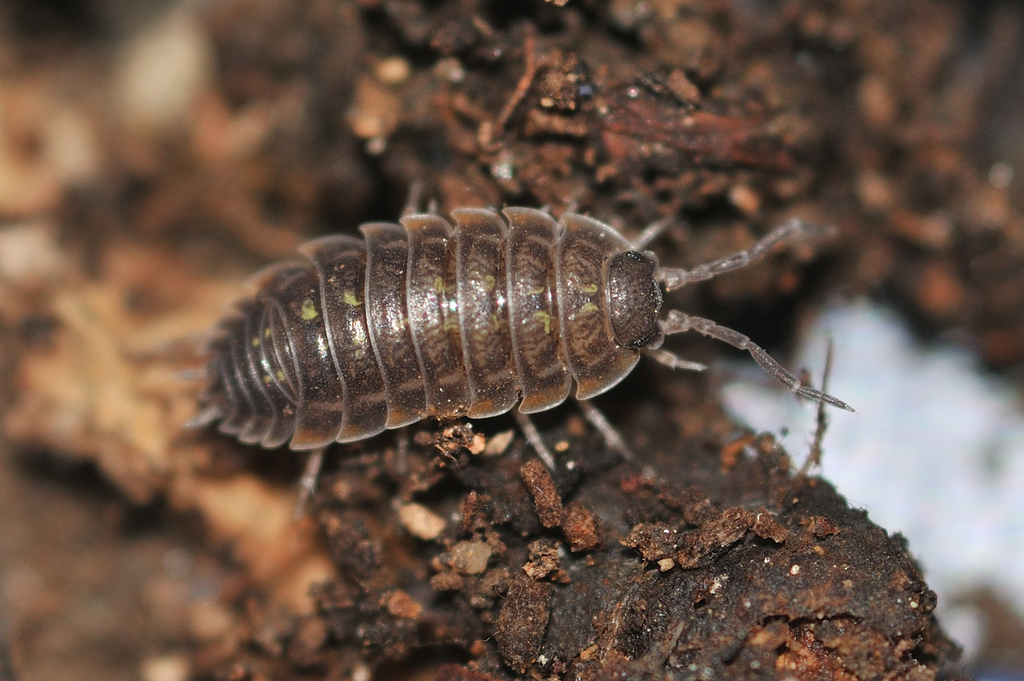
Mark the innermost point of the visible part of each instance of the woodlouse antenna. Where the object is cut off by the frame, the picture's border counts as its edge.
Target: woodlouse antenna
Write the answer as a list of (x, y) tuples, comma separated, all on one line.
[(673, 278), (679, 322)]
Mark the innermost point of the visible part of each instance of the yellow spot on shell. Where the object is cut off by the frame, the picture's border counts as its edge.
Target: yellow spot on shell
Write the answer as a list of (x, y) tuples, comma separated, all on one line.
[(280, 376), (489, 282), (536, 291), (255, 341), (350, 299), (266, 332), (438, 285), (267, 379), (545, 319), (495, 324), (309, 311), (589, 288), (590, 307)]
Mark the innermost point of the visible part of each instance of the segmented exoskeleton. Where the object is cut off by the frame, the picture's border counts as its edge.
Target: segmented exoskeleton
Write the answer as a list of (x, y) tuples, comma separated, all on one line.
[(422, 319)]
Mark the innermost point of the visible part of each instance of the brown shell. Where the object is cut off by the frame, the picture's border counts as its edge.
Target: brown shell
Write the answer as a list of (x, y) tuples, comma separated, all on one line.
[(421, 319)]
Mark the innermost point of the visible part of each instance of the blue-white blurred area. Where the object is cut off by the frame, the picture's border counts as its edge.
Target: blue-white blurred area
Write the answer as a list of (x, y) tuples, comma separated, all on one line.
[(936, 452)]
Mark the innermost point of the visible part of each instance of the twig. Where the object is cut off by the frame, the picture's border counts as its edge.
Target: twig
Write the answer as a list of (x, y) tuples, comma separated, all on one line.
[(491, 131), (814, 458)]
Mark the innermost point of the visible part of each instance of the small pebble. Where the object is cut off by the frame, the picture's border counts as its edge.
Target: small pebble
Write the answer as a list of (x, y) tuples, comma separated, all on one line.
[(420, 521), (470, 557), (170, 667)]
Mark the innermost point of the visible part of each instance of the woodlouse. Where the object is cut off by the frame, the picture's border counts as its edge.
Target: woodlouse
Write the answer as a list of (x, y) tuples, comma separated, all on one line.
[(421, 319)]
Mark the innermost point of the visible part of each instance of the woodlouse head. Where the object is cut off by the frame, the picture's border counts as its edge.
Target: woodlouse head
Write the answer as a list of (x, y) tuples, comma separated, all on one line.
[(634, 300)]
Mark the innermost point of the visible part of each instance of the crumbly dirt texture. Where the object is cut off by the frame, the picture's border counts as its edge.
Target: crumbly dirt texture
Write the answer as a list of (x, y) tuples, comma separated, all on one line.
[(702, 570), (151, 159)]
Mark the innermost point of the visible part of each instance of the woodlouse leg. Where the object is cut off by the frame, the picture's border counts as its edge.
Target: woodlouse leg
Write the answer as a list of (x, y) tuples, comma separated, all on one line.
[(209, 415), (194, 375), (679, 322), (533, 437), (650, 233), (307, 486), (674, 278), (608, 432), (672, 360), (415, 198), (402, 450)]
